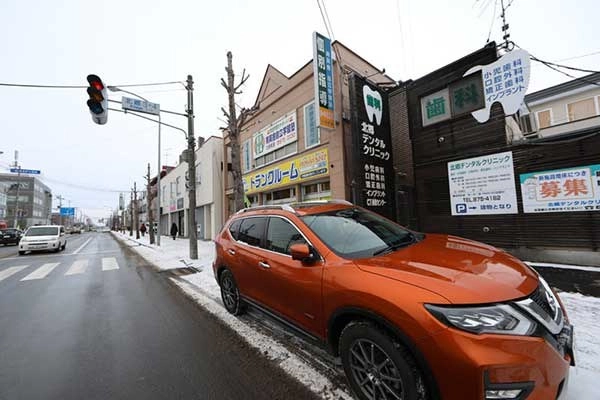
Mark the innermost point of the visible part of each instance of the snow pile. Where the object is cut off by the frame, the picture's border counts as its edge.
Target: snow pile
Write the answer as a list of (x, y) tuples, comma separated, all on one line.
[(583, 312)]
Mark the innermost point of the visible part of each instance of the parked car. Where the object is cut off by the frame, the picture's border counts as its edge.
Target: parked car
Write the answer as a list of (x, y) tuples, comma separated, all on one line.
[(43, 237), (76, 229), (10, 236), (412, 315)]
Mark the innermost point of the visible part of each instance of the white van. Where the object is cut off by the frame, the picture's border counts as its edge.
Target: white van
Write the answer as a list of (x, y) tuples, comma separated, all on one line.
[(43, 237)]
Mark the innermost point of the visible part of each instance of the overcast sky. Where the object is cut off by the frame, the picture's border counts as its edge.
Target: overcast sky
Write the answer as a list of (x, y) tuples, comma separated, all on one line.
[(128, 42)]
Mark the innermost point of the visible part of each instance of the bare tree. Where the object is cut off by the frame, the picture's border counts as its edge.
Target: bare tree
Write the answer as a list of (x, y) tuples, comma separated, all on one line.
[(235, 123)]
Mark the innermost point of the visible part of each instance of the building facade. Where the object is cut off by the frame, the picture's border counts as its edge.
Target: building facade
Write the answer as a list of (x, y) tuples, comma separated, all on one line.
[(286, 157), (564, 108), (209, 192), (34, 200)]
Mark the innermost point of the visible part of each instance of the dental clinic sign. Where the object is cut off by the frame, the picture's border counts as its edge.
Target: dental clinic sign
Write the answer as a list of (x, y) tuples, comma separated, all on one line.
[(504, 81), (323, 78), (373, 169), (275, 136)]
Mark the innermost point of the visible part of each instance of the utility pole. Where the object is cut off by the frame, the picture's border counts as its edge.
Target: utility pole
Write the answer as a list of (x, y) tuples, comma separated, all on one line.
[(135, 212), (149, 206), (131, 213), (60, 199), (16, 222), (191, 159)]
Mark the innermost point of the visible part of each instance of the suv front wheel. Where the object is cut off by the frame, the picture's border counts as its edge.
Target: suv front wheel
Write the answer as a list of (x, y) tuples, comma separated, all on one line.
[(230, 293), (377, 367)]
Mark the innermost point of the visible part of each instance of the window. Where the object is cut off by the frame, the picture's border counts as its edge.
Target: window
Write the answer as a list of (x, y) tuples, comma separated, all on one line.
[(246, 160), (234, 228), (42, 231), (311, 131), (277, 154), (544, 119), (171, 189), (177, 185), (252, 230), (355, 233), (281, 235), (280, 196), (581, 109), (316, 191)]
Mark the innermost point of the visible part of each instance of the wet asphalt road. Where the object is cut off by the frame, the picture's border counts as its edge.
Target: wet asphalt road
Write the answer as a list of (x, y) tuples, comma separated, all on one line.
[(100, 324)]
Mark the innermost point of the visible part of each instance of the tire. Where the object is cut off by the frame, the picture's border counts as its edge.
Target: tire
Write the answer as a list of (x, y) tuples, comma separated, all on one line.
[(230, 294), (21, 253), (377, 366), (64, 246)]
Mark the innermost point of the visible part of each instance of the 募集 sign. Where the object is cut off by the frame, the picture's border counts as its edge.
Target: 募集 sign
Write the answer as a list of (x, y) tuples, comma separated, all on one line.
[(373, 169)]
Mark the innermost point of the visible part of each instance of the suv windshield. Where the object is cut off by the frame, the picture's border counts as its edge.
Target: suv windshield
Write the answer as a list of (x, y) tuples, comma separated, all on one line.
[(356, 233), (42, 231)]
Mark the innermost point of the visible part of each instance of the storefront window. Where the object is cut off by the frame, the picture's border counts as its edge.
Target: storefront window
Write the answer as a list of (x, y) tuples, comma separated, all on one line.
[(316, 191), (280, 196)]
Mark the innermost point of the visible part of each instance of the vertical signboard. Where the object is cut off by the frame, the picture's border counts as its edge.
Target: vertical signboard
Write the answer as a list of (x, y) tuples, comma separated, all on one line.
[(483, 185), (562, 190), (323, 78), (373, 172)]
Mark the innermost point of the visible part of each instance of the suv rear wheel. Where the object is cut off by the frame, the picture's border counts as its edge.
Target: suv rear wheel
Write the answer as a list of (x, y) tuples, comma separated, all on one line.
[(230, 294), (376, 366)]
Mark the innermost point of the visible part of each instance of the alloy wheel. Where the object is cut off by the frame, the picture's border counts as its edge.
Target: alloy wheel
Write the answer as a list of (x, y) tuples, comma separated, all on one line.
[(375, 372)]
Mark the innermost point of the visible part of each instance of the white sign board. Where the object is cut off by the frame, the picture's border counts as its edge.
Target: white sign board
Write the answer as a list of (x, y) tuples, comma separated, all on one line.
[(128, 103), (277, 135), (483, 185), (504, 81), (562, 190)]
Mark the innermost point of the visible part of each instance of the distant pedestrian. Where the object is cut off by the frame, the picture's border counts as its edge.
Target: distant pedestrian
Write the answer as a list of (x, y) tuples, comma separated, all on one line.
[(174, 230), (143, 229)]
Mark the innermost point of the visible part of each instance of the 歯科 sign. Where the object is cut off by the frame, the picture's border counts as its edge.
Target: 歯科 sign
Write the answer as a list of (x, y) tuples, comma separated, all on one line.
[(296, 170), (562, 190), (483, 185), (504, 81), (323, 77), (278, 134), (373, 168)]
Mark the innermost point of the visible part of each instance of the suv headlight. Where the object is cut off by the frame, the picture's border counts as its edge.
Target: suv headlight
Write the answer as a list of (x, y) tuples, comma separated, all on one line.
[(500, 318)]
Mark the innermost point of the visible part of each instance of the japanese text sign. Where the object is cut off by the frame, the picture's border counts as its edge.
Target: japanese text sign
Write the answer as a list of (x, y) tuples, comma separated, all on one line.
[(504, 81), (278, 134), (562, 190), (466, 95), (323, 78), (436, 107), (483, 185), (296, 170), (372, 170)]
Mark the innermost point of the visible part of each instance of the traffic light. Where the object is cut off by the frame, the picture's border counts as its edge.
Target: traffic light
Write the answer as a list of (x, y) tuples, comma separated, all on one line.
[(98, 102)]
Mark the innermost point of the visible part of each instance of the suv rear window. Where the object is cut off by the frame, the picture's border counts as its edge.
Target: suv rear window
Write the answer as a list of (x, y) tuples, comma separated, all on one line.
[(234, 228), (252, 230), (356, 233)]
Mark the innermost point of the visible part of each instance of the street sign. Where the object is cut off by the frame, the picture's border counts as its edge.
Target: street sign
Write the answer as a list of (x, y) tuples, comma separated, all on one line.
[(131, 104), (67, 211), (25, 171)]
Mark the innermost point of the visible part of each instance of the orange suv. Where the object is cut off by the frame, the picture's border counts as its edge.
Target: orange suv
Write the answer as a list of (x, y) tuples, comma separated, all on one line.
[(412, 315)]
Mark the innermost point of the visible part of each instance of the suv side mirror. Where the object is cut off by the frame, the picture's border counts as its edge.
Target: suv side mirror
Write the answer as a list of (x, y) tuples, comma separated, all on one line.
[(302, 252)]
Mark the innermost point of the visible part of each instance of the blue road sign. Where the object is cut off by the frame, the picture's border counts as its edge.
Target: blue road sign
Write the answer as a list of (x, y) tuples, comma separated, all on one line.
[(25, 171), (67, 211)]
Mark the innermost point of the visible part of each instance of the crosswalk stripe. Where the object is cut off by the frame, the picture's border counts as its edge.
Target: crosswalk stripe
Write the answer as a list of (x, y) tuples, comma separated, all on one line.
[(109, 263), (41, 272), (78, 267), (11, 271)]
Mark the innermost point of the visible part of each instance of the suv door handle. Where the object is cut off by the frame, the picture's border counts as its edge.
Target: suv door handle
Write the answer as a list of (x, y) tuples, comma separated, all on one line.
[(231, 251), (264, 265)]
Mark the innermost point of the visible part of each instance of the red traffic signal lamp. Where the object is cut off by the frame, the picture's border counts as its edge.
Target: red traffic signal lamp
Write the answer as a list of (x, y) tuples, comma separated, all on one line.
[(98, 101)]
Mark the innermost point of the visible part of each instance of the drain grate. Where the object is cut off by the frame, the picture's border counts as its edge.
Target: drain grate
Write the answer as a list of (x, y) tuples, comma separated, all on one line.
[(181, 271)]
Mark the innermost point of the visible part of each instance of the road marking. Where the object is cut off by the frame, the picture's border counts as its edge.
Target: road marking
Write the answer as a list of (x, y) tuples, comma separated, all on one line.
[(109, 263), (11, 271), (82, 246), (41, 272), (78, 267), (59, 255)]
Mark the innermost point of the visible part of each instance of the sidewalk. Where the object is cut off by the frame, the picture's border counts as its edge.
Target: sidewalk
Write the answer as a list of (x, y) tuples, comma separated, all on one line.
[(203, 288)]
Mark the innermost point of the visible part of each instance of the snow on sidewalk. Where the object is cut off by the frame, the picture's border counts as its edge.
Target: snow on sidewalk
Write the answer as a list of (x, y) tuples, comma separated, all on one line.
[(583, 312)]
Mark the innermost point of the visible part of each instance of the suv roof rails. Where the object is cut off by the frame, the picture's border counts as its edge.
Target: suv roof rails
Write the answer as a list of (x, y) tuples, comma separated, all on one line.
[(285, 207), (290, 207)]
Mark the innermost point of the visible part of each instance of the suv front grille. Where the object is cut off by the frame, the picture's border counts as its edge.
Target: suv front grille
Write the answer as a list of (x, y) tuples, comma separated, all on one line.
[(539, 297)]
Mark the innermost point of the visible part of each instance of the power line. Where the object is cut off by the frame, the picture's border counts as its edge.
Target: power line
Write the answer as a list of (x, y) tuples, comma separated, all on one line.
[(492, 23), (328, 21), (24, 85), (581, 56), (324, 20)]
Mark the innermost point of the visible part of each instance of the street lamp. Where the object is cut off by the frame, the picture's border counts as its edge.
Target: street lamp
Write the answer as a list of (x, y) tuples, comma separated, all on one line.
[(117, 89)]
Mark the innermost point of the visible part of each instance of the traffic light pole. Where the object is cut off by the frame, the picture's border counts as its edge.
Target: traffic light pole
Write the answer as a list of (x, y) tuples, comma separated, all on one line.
[(191, 159)]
